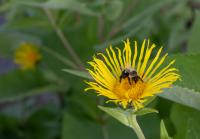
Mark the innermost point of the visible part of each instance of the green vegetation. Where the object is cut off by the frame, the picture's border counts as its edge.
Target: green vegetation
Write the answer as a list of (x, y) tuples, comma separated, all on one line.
[(49, 102)]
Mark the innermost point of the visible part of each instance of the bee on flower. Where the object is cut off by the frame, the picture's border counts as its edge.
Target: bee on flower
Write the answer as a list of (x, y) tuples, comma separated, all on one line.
[(128, 77), (27, 56)]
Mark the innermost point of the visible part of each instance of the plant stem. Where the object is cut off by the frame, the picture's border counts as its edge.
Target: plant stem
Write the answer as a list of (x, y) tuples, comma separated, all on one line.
[(101, 25), (63, 38), (105, 132), (60, 57), (135, 126)]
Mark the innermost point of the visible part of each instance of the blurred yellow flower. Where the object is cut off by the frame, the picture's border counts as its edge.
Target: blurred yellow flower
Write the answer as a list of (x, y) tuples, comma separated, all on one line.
[(129, 78), (27, 55)]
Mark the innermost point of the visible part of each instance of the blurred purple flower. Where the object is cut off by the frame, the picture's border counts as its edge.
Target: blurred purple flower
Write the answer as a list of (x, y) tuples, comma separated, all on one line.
[(2, 20), (6, 65)]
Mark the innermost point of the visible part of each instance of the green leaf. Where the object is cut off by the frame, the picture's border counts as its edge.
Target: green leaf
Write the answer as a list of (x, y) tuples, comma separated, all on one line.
[(29, 3), (163, 131), (76, 127), (5, 6), (189, 67), (71, 5), (117, 113), (59, 57), (113, 9), (119, 39), (183, 96), (27, 22), (149, 100), (145, 111), (41, 120), (19, 84), (82, 74), (194, 41), (32, 92), (135, 23), (148, 12), (123, 115), (186, 121), (186, 91)]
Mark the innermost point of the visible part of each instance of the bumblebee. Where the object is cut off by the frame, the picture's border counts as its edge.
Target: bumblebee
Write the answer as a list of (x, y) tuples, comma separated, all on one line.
[(131, 74)]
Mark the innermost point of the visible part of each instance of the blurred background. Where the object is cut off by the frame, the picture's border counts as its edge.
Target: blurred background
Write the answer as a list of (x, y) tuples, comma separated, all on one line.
[(39, 38)]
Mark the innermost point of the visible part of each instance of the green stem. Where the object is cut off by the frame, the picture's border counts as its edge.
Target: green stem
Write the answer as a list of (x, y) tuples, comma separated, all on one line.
[(60, 57), (105, 132), (135, 126), (63, 39)]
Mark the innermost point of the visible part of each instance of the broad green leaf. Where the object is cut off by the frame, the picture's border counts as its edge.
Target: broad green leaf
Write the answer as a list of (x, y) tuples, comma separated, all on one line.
[(194, 41), (82, 74), (163, 131), (186, 91), (183, 96), (186, 121), (189, 67), (145, 111), (119, 114)]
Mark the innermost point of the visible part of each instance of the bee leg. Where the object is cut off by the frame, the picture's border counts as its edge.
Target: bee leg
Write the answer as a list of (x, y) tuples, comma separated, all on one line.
[(141, 79), (136, 79), (120, 79), (129, 80)]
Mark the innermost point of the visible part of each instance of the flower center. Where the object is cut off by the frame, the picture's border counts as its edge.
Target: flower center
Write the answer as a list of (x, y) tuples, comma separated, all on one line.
[(32, 57), (125, 90)]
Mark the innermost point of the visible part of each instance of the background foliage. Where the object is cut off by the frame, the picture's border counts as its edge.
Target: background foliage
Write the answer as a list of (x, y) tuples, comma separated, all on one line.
[(48, 103)]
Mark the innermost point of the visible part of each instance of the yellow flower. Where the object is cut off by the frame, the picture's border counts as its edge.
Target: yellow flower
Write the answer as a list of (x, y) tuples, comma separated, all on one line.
[(128, 77), (27, 55)]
